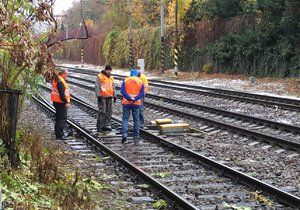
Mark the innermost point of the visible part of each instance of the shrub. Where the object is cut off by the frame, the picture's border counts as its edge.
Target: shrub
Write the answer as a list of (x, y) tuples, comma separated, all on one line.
[(146, 45), (208, 68), (41, 183)]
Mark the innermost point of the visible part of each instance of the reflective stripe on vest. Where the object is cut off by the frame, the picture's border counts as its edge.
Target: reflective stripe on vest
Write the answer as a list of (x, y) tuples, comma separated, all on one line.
[(107, 89), (55, 97), (133, 87)]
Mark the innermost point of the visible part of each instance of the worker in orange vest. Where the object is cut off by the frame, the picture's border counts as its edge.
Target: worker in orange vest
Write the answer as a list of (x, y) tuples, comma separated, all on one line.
[(132, 90), (105, 92), (146, 86), (61, 98)]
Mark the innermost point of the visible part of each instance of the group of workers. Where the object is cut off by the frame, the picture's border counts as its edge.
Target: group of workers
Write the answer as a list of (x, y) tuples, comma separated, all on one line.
[(133, 91)]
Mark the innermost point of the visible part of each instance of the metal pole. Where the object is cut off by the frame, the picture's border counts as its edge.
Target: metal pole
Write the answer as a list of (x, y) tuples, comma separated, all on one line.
[(131, 38), (176, 41), (67, 33), (81, 25), (162, 39)]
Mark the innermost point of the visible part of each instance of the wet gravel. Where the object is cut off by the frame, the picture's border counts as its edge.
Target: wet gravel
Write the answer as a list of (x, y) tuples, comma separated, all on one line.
[(255, 110), (273, 164), (228, 195), (265, 112)]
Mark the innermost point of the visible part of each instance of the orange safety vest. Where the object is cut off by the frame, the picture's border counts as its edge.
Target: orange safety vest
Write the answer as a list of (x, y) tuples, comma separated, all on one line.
[(55, 97), (145, 82), (107, 89), (133, 87)]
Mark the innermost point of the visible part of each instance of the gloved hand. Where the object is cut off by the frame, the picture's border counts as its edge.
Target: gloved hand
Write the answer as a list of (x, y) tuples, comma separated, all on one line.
[(115, 99)]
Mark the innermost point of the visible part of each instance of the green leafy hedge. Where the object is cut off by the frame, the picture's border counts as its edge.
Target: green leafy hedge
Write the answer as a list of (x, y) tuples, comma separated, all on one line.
[(257, 53), (269, 47), (146, 44)]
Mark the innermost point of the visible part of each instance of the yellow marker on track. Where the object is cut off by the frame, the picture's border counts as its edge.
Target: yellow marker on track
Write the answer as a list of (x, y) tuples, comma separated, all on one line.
[(174, 128)]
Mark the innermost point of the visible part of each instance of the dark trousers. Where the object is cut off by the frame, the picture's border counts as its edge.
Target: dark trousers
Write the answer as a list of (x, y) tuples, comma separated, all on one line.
[(60, 119), (142, 114), (136, 122), (104, 113)]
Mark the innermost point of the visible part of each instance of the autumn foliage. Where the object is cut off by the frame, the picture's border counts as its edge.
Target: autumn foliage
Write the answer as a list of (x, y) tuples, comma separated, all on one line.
[(24, 56)]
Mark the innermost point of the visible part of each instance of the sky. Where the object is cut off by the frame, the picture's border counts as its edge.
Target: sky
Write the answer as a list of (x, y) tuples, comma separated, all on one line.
[(62, 5)]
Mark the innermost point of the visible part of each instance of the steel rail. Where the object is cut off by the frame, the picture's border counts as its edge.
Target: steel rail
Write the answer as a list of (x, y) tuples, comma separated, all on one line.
[(244, 131), (286, 103), (228, 113), (260, 136), (212, 109), (238, 176), (228, 95), (225, 91)]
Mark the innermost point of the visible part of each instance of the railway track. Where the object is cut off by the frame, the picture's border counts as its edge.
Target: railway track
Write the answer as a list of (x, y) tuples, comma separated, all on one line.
[(285, 103), (191, 180), (281, 134), (124, 188), (89, 145)]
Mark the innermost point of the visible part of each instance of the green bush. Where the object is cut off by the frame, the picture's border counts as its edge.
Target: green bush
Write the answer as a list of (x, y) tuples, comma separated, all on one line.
[(108, 46), (146, 44), (213, 8), (268, 47), (41, 182), (121, 49), (255, 53), (208, 68)]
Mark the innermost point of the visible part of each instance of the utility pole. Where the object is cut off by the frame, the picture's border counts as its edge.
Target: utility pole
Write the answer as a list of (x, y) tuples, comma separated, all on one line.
[(162, 39), (131, 61), (176, 41), (64, 27), (81, 25), (67, 32)]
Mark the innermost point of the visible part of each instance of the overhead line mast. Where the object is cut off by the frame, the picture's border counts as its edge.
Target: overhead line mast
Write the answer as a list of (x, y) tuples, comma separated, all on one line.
[(176, 41), (162, 39), (131, 61), (81, 25)]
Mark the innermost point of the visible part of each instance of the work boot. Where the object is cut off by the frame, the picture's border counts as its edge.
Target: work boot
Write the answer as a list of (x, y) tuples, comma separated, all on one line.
[(107, 129), (137, 141), (124, 139), (62, 138)]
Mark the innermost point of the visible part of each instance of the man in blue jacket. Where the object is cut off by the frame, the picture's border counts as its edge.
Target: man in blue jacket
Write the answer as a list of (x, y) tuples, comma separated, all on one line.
[(132, 90)]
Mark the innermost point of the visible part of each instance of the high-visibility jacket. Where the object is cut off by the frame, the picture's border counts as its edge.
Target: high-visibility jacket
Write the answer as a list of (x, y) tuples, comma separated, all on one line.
[(133, 87), (55, 97), (107, 89), (145, 82)]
